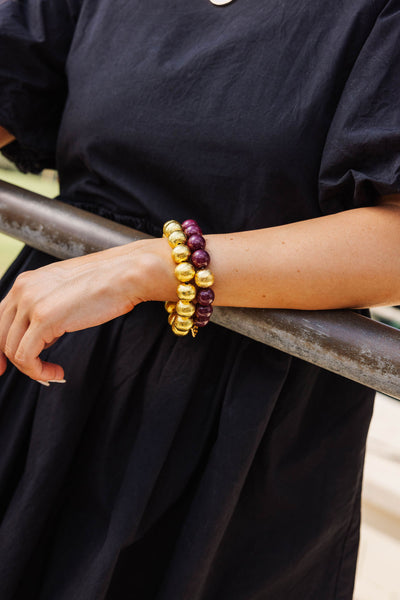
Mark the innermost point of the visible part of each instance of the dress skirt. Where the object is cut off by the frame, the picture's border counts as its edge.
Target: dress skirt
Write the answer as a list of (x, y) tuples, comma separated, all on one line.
[(173, 469)]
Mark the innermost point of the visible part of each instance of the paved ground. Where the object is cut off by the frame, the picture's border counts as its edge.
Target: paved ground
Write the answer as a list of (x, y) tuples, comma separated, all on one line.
[(378, 573)]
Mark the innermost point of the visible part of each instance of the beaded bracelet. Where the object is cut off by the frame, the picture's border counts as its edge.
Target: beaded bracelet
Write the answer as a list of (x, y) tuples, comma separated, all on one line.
[(188, 244)]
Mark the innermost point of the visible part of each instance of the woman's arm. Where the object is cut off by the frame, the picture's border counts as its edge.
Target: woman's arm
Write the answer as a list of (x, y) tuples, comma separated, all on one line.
[(350, 259)]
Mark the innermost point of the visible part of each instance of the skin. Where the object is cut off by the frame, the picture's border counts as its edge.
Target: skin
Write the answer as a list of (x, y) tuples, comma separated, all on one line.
[(5, 137), (346, 260)]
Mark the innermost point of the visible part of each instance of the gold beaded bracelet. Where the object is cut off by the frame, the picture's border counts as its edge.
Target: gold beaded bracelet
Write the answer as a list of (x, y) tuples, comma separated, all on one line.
[(181, 313)]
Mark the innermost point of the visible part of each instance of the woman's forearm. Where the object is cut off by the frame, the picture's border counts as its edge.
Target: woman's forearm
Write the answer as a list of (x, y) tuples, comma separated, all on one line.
[(350, 259)]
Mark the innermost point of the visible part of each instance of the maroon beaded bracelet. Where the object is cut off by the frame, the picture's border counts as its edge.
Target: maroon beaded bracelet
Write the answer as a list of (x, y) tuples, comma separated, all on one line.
[(203, 277)]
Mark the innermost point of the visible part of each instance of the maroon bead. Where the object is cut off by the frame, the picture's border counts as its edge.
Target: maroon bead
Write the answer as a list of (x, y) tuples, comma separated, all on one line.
[(192, 230), (201, 321), (188, 223), (205, 297), (196, 242), (200, 259), (204, 311)]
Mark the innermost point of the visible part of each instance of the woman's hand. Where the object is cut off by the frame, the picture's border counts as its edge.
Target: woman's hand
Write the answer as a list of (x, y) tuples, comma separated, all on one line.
[(76, 294)]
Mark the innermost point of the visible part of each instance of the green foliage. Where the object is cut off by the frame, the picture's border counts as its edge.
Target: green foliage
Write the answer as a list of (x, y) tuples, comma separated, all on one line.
[(9, 249)]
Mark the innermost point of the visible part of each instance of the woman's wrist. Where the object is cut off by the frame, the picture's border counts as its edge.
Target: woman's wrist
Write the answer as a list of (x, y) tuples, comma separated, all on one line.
[(151, 272)]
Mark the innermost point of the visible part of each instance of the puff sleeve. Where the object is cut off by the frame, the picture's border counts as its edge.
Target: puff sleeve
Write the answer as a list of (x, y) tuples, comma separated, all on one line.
[(35, 37), (361, 157)]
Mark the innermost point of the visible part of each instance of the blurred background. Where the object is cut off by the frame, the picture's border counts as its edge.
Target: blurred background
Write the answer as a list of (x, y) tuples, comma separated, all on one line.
[(378, 570), (45, 184)]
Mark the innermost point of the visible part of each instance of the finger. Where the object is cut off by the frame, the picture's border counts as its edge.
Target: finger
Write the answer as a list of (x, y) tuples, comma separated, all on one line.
[(49, 344), (6, 320), (49, 372), (6, 302), (27, 357), (3, 363), (3, 305), (15, 334), (2, 308)]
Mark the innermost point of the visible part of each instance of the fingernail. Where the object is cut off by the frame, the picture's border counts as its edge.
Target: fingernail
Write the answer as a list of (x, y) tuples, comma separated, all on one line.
[(57, 381), (46, 383)]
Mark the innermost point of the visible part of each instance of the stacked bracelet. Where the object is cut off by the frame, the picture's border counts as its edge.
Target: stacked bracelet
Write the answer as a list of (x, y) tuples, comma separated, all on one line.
[(193, 309), (204, 279)]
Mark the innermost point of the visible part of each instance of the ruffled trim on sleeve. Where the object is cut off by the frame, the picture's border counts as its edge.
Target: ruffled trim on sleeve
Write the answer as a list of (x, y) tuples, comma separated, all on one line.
[(29, 152), (35, 37), (28, 160), (361, 158)]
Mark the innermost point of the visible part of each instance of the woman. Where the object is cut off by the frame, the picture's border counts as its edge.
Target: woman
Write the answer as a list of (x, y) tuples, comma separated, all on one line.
[(165, 467)]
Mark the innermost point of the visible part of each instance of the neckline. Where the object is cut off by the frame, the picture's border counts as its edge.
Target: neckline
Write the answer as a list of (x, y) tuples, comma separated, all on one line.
[(220, 2)]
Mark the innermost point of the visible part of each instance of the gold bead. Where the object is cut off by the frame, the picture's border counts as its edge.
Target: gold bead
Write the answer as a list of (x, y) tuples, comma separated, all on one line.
[(171, 226), (186, 291), (185, 309), (170, 306), (180, 253), (184, 272), (204, 278), (179, 331), (183, 323), (176, 237), (171, 318)]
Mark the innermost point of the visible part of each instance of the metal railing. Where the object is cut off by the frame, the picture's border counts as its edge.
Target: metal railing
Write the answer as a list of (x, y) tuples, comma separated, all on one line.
[(340, 341)]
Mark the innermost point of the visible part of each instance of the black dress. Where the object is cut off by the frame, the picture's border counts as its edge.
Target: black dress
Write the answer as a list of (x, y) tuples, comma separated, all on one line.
[(181, 469)]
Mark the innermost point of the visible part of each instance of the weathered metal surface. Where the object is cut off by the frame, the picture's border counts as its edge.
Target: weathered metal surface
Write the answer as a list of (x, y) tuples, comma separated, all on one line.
[(57, 228), (341, 341)]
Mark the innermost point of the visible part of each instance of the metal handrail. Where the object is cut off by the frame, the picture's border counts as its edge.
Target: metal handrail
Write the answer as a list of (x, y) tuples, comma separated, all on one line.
[(340, 341)]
